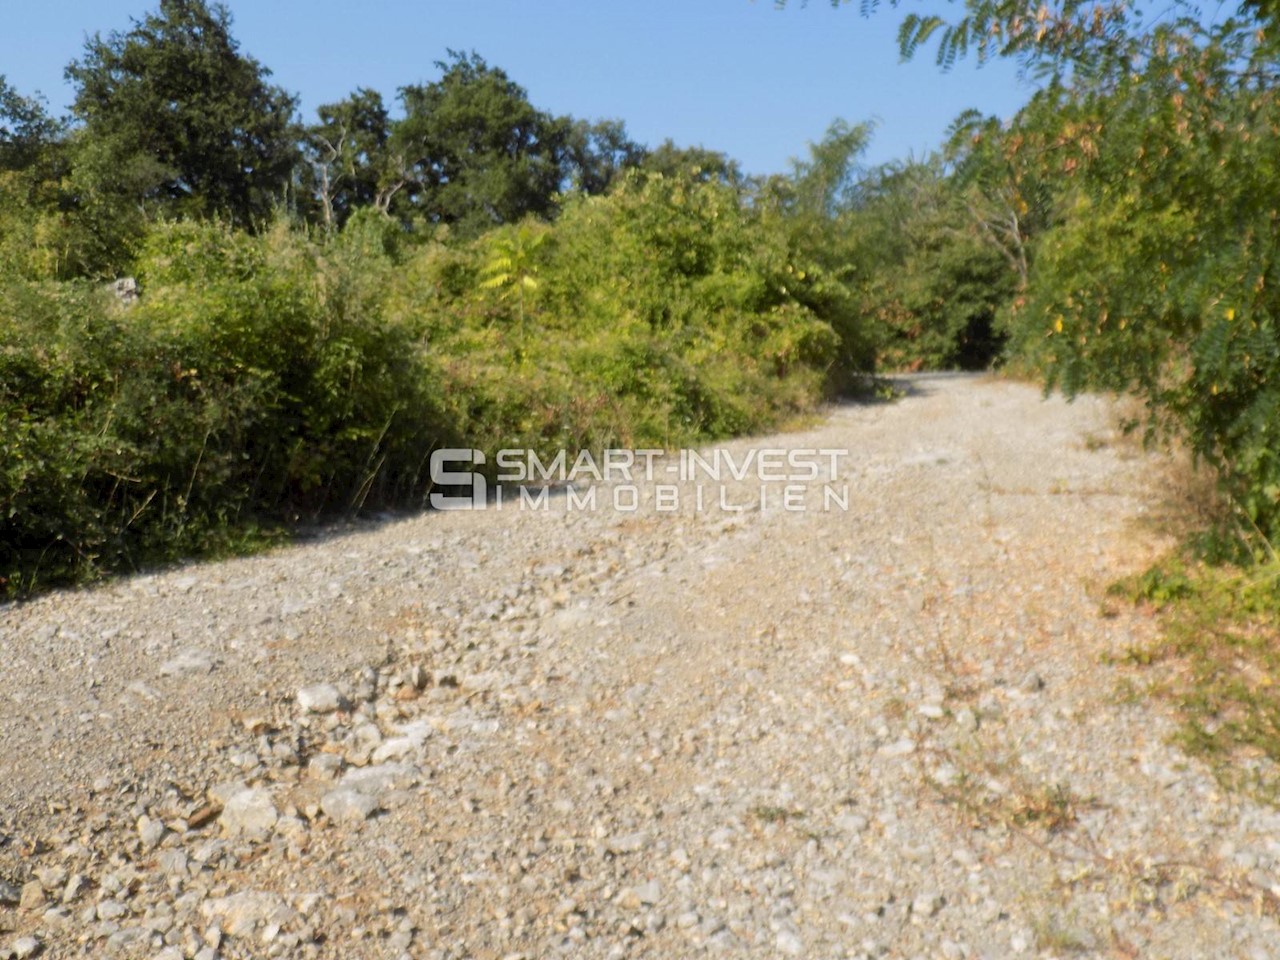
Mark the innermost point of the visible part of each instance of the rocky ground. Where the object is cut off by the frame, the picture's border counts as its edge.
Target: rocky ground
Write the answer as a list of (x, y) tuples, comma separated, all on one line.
[(881, 732)]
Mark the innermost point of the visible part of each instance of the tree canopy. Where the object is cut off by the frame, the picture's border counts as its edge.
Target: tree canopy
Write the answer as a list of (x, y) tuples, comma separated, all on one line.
[(175, 119), (478, 153), (26, 129)]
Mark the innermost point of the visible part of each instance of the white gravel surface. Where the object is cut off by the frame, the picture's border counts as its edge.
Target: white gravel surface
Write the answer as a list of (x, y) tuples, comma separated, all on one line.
[(885, 732)]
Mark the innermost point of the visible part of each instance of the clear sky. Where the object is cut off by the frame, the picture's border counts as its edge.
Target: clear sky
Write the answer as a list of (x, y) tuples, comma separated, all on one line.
[(733, 75)]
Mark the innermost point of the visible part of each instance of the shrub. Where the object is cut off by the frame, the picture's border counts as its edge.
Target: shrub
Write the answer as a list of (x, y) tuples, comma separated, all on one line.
[(257, 381)]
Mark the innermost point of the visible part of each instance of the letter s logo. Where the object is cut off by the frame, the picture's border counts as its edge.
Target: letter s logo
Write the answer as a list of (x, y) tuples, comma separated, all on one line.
[(442, 476)]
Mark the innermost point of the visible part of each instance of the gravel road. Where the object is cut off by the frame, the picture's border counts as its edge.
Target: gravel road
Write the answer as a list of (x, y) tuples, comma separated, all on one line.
[(880, 731)]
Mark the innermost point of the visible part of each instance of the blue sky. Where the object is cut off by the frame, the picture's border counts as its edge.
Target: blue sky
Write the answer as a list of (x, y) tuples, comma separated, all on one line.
[(734, 75)]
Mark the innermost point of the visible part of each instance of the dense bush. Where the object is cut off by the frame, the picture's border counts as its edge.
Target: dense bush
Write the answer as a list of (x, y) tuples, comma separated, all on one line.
[(1163, 280), (323, 306), (699, 300), (663, 313), (930, 286), (257, 381), (270, 377)]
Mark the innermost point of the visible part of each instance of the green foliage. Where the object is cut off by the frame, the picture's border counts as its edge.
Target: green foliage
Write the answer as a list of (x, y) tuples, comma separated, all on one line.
[(930, 282), (173, 121), (711, 291), (470, 153), (37, 238), (349, 163), (697, 163), (263, 378), (1162, 280), (908, 275), (827, 182), (177, 121), (1088, 45), (1154, 268), (511, 265), (598, 153), (257, 381), (1160, 585), (666, 312), (999, 184), (476, 152), (26, 130)]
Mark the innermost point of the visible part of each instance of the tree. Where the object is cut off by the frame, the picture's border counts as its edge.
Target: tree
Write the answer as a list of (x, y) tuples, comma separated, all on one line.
[(1000, 179), (827, 182), (192, 121), (471, 152), (698, 163), (476, 152), (946, 281), (349, 158), (1160, 278), (26, 130), (598, 153)]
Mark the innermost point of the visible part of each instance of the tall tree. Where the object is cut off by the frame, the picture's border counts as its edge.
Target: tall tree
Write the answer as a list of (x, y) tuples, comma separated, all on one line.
[(26, 129), (477, 151), (192, 122), (998, 177), (698, 163), (599, 152), (827, 181), (349, 156)]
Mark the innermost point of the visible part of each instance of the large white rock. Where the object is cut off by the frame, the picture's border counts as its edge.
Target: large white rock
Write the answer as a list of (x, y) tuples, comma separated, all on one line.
[(348, 806), (249, 813), (242, 913), (320, 698)]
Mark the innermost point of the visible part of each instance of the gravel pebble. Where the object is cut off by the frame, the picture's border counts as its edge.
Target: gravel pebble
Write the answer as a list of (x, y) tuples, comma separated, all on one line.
[(348, 805), (320, 698), (249, 812)]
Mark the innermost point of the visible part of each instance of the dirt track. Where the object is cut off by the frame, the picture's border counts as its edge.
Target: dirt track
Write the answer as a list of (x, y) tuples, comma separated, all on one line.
[(880, 731)]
